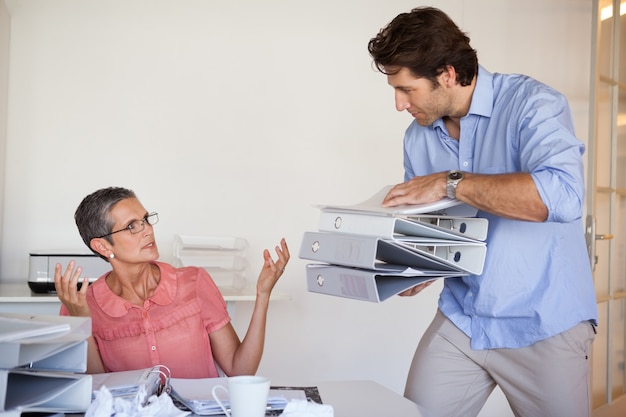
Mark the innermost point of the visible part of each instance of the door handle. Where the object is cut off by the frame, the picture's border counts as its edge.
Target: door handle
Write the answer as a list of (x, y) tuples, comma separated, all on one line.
[(604, 237), (591, 237)]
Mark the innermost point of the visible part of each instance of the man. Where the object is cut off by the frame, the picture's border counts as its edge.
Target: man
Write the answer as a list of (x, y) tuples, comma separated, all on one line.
[(504, 144)]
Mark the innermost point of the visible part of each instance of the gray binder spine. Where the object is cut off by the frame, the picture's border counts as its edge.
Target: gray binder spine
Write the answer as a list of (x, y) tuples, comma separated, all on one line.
[(341, 249)]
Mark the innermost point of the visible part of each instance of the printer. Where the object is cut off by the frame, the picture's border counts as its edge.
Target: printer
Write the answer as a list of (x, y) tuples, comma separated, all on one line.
[(42, 263)]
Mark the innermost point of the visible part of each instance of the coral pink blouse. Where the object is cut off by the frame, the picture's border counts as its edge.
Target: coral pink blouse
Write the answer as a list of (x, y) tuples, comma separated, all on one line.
[(172, 328)]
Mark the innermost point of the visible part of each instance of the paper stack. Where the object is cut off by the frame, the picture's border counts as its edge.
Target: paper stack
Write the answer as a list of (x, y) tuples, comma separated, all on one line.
[(42, 364), (371, 253)]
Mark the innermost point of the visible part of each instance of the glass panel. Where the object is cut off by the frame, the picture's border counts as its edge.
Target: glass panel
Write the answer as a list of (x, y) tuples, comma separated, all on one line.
[(604, 124), (599, 361), (617, 349), (621, 138), (621, 53), (601, 273), (606, 41)]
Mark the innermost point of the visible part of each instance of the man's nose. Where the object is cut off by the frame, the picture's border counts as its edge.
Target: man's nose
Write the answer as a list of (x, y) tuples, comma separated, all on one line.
[(401, 103)]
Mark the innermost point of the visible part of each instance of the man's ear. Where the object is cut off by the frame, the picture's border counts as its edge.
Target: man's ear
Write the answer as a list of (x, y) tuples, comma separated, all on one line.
[(448, 76), (100, 245)]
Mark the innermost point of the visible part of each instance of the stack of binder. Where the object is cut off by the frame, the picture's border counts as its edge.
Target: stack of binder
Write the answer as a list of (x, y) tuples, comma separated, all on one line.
[(367, 252), (42, 364), (224, 258)]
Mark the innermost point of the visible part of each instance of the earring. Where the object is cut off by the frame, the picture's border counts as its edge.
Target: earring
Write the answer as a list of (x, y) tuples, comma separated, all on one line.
[(112, 255)]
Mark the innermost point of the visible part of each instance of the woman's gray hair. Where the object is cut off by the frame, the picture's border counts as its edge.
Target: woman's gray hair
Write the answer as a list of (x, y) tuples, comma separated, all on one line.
[(93, 214)]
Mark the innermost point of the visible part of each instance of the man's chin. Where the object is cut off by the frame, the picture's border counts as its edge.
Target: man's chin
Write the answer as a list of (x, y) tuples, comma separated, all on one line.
[(423, 122)]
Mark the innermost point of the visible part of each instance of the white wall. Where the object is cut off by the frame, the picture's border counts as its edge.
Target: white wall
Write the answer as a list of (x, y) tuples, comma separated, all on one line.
[(235, 118), (5, 28)]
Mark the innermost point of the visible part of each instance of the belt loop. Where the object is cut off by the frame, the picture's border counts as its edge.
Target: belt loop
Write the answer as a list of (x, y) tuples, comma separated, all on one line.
[(593, 326)]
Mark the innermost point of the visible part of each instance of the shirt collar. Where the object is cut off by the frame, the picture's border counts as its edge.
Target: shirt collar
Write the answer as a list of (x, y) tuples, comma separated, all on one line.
[(482, 98), (115, 306)]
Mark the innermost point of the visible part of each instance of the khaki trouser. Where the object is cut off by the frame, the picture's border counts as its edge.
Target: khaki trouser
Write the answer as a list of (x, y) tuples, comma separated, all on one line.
[(547, 379)]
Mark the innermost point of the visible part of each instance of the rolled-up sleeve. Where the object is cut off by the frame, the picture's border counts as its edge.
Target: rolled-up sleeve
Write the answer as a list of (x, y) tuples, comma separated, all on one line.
[(551, 153)]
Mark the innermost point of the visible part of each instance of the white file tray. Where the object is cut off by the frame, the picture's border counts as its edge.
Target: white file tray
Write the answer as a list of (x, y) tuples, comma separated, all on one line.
[(67, 351), (190, 245), (219, 261), (224, 258)]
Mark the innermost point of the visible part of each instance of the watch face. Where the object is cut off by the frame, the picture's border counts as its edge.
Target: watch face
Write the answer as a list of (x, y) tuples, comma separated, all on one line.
[(455, 175)]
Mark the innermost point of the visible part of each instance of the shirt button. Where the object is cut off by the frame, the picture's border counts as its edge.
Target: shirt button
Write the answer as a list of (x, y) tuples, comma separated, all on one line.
[(465, 163), (153, 348)]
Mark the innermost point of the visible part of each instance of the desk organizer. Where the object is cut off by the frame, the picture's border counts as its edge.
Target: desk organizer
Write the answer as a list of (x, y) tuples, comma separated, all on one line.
[(224, 258)]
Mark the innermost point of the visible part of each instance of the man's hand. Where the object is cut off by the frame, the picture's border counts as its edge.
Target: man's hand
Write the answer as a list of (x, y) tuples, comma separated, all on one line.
[(413, 291), (419, 190)]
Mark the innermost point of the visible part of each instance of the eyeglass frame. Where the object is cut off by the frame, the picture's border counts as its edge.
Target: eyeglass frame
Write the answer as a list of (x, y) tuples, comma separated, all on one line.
[(131, 228)]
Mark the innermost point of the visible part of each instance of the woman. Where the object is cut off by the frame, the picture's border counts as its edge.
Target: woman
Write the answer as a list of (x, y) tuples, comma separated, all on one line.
[(146, 313)]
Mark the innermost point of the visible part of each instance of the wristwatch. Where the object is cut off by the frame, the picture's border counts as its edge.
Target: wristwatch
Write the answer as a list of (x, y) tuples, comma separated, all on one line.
[(454, 178)]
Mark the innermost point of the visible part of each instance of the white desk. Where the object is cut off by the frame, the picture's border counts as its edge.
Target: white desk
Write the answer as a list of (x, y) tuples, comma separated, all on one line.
[(360, 399), (18, 298), (366, 399)]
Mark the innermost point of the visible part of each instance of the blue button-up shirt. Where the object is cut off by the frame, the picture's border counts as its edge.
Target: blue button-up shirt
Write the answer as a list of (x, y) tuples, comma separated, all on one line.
[(536, 281)]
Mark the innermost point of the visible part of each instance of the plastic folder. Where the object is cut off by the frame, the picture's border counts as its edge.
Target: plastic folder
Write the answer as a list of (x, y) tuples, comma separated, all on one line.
[(360, 284)]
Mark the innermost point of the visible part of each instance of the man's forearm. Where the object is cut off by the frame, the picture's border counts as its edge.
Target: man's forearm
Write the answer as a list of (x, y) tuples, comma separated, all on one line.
[(512, 196)]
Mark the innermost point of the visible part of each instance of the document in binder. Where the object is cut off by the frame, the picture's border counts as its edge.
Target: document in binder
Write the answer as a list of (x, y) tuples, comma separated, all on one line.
[(373, 206), (126, 384), (375, 253), (45, 342), (50, 392), (361, 284)]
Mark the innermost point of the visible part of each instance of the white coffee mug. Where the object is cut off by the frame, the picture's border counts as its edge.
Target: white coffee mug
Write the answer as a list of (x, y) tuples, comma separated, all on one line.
[(247, 396)]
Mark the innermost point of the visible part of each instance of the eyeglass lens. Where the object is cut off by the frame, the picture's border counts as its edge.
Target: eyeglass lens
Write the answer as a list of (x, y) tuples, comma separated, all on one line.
[(138, 225)]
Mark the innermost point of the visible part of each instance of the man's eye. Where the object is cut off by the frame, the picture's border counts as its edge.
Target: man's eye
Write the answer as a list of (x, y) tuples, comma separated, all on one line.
[(132, 226)]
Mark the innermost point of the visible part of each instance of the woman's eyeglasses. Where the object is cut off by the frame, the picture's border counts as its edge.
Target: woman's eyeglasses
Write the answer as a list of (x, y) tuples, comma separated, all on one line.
[(138, 225)]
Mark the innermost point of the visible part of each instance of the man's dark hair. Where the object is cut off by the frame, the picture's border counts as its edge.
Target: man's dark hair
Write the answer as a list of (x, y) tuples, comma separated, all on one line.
[(92, 215), (425, 41)]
